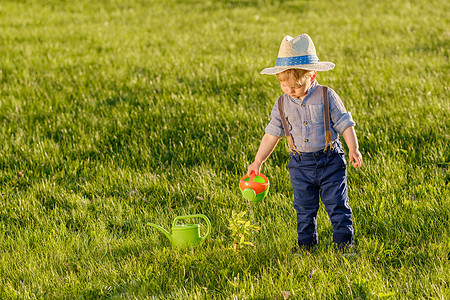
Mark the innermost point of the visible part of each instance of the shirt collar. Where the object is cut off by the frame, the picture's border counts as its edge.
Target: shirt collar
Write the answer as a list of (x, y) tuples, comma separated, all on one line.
[(312, 87)]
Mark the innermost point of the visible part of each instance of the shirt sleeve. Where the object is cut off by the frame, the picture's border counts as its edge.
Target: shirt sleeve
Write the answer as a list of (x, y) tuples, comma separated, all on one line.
[(341, 119), (275, 126)]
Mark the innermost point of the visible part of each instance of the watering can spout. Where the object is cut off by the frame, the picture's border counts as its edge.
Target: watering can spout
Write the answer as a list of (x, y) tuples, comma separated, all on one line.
[(169, 236)]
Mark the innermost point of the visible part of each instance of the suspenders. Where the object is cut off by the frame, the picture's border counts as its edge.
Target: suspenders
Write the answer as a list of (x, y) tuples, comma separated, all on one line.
[(326, 121), (326, 118), (286, 128)]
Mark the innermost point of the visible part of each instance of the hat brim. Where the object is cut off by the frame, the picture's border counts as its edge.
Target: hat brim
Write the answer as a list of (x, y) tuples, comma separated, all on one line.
[(320, 66)]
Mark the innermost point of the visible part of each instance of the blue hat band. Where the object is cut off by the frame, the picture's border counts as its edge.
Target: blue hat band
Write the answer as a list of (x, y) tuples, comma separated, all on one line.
[(297, 60)]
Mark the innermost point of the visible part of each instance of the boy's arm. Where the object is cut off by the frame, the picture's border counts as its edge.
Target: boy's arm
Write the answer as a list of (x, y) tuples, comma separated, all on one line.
[(268, 143), (354, 155)]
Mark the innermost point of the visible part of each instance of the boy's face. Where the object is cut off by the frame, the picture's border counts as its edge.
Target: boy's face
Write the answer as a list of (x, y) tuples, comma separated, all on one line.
[(294, 88)]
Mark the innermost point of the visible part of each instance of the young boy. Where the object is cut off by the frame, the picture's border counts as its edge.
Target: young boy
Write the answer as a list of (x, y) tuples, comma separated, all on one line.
[(317, 166)]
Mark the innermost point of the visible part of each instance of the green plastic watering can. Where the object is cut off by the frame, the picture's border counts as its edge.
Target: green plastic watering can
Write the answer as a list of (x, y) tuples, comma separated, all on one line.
[(185, 234)]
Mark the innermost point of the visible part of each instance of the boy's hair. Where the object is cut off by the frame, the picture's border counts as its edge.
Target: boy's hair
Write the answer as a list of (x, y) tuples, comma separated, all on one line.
[(297, 75)]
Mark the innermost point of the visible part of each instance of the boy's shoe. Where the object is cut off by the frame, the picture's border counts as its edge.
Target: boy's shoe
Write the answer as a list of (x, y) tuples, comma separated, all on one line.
[(306, 248), (347, 249)]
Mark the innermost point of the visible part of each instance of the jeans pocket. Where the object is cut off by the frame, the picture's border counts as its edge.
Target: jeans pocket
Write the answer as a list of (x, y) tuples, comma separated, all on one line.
[(342, 160), (291, 163)]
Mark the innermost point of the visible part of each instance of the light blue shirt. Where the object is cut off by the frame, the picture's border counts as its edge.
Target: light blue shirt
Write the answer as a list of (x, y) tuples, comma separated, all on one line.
[(305, 119)]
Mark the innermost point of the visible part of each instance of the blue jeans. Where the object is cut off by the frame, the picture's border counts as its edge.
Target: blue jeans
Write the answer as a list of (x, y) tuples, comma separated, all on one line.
[(325, 174)]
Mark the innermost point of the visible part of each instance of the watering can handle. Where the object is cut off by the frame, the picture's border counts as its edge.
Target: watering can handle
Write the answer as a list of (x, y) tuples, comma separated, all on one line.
[(196, 216), (252, 176)]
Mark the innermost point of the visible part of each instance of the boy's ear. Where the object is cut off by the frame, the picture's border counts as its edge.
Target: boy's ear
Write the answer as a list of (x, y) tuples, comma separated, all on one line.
[(313, 76)]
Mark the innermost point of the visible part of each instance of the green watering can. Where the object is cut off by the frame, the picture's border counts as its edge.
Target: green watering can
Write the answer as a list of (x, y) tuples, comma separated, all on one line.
[(185, 235)]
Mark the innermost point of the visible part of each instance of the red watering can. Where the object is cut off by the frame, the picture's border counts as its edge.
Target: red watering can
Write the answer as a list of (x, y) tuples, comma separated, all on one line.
[(254, 187)]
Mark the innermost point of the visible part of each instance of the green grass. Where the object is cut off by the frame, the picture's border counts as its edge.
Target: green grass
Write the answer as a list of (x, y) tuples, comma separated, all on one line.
[(118, 113)]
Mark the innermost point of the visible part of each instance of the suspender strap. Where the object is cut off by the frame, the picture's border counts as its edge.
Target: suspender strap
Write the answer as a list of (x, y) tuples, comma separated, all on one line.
[(286, 127), (326, 119)]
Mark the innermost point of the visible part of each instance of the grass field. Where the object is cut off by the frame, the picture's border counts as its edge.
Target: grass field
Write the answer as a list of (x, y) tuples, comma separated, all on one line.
[(114, 114)]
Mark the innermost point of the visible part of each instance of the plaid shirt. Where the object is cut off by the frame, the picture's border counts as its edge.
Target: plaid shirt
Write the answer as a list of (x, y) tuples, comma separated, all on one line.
[(305, 119)]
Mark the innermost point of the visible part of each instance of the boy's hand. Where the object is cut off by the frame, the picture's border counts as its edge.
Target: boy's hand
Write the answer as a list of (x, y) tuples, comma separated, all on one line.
[(355, 157), (254, 167)]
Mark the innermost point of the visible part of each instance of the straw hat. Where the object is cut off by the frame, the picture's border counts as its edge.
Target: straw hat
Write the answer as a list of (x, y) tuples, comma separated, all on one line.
[(298, 53)]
